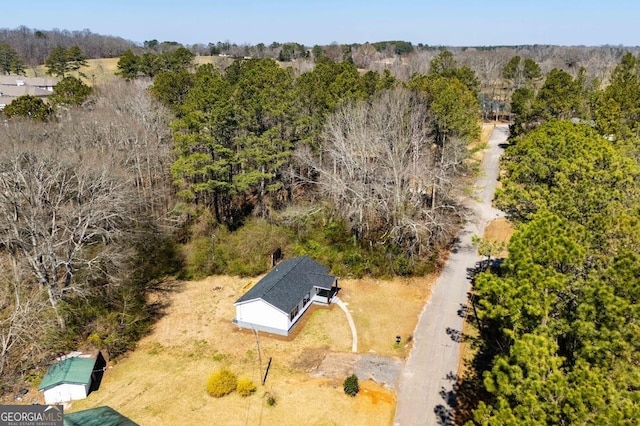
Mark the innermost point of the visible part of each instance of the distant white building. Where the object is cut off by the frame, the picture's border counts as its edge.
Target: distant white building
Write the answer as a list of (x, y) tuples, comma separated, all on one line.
[(13, 86)]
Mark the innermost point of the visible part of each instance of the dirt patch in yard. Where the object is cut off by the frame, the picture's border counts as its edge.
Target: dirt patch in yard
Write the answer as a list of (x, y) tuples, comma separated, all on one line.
[(310, 359), (163, 381), (383, 370), (377, 395)]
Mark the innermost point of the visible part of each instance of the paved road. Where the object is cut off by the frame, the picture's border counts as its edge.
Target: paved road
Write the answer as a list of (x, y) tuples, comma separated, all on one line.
[(426, 393)]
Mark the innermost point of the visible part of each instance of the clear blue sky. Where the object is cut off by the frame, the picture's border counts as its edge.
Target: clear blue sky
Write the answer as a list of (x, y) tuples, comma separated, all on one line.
[(444, 22)]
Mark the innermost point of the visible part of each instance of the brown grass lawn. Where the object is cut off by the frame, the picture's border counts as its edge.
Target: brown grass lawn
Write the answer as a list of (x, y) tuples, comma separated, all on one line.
[(163, 381), (383, 310), (101, 70), (499, 230), (487, 131)]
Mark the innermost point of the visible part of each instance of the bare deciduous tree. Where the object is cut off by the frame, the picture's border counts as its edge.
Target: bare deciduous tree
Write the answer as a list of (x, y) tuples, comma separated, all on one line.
[(60, 213), (133, 129), (364, 55), (23, 322), (76, 197), (377, 165)]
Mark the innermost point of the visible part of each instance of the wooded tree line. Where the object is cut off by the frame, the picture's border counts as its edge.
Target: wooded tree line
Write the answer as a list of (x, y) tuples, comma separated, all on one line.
[(131, 66), (83, 228), (34, 46), (403, 58), (559, 320), (383, 156)]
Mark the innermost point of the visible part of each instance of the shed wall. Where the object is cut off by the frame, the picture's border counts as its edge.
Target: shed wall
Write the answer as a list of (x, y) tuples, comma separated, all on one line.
[(65, 392)]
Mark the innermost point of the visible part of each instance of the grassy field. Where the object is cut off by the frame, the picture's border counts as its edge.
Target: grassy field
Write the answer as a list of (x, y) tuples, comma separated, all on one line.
[(97, 71), (163, 381), (101, 70)]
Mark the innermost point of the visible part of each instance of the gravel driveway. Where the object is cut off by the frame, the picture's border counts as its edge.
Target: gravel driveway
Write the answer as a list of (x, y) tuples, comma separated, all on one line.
[(384, 370)]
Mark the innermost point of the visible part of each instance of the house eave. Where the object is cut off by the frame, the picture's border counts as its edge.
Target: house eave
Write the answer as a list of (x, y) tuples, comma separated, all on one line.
[(62, 383), (261, 300)]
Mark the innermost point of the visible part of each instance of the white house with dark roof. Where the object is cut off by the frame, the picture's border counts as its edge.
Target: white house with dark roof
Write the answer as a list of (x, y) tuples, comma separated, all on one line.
[(280, 299)]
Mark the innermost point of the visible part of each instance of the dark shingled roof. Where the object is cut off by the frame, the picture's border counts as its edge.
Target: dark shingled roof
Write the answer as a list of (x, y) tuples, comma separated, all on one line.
[(287, 284)]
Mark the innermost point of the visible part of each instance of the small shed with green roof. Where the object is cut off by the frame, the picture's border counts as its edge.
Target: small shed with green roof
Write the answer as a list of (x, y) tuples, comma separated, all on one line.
[(68, 379), (99, 416)]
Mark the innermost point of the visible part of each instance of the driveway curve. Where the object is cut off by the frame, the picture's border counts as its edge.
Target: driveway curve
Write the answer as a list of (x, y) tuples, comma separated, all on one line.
[(426, 392), (352, 325)]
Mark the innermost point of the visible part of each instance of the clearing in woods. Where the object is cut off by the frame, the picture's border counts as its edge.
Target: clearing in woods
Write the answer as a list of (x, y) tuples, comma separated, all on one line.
[(163, 381)]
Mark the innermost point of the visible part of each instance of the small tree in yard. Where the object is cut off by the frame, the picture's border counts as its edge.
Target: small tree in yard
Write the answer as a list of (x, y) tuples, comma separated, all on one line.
[(351, 386), (222, 383), (246, 386)]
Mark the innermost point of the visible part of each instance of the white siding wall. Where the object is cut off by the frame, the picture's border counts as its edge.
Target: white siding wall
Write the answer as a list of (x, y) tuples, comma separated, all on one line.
[(260, 312), (301, 310), (65, 392)]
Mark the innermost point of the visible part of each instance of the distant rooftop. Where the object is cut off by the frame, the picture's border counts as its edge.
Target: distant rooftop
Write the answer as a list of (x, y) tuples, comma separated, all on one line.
[(20, 80), (15, 91)]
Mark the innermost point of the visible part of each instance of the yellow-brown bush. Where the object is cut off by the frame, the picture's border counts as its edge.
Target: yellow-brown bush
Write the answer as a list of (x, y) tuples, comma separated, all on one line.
[(222, 382), (246, 386)]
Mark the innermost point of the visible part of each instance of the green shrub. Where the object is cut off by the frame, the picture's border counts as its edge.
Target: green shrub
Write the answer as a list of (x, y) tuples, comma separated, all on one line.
[(249, 260), (94, 339), (271, 399), (222, 383), (199, 257), (214, 249), (351, 386), (30, 107), (246, 386)]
